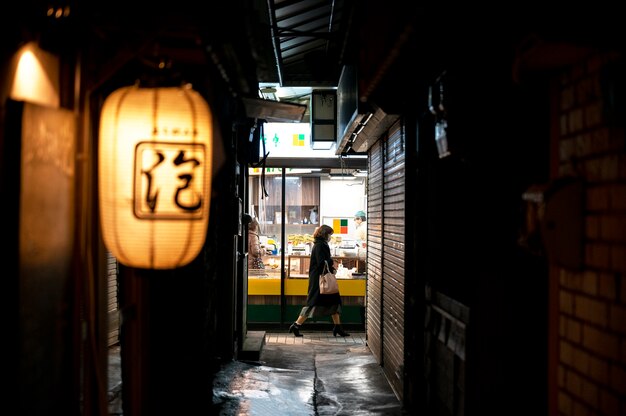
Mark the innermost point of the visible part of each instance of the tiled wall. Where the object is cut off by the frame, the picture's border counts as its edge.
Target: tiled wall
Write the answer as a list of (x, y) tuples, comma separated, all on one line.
[(591, 345)]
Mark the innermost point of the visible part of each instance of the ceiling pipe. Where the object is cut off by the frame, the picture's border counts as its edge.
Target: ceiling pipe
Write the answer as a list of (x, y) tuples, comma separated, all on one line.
[(275, 40), (330, 24), (349, 21)]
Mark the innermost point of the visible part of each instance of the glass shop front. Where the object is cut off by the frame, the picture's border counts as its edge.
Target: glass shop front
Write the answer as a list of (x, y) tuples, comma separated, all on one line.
[(283, 229)]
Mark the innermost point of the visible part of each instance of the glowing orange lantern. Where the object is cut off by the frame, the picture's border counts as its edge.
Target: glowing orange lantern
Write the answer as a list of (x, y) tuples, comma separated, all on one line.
[(154, 173)]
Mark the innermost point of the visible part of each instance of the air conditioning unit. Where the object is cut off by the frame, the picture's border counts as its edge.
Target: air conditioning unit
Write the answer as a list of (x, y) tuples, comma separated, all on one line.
[(359, 124)]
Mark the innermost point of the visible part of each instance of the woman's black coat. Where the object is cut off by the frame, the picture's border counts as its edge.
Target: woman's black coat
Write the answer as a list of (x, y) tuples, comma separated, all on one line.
[(319, 253)]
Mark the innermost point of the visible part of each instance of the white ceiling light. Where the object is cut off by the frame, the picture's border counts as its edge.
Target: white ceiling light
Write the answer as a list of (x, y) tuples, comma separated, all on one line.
[(342, 176)]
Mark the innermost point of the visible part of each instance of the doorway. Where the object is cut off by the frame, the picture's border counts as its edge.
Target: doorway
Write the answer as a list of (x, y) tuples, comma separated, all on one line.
[(289, 204)]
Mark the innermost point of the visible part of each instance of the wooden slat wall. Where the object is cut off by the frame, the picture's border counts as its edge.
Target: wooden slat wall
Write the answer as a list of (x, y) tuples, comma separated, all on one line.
[(394, 256), (386, 254), (374, 250), (113, 304)]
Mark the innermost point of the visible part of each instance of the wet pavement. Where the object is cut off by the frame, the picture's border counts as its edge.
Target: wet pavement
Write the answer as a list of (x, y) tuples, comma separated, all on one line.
[(316, 374), (115, 382)]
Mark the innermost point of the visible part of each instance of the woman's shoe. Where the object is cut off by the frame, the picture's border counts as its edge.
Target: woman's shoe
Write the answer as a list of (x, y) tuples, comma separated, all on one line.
[(338, 330), (295, 328)]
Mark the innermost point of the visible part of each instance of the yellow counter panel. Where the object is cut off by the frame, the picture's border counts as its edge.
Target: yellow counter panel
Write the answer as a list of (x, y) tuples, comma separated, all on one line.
[(298, 287)]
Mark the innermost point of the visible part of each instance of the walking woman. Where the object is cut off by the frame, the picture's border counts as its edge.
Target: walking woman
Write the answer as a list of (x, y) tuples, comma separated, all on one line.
[(316, 303)]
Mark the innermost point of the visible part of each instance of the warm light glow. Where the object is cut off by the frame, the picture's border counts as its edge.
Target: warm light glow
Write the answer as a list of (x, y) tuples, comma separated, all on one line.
[(36, 77), (155, 163)]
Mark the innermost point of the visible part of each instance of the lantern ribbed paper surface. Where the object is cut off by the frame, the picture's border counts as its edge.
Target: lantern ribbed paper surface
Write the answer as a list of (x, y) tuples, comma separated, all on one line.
[(154, 172)]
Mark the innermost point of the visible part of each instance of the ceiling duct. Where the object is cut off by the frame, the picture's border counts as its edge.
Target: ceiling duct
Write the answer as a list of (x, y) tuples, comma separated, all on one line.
[(273, 111), (359, 124), (367, 129)]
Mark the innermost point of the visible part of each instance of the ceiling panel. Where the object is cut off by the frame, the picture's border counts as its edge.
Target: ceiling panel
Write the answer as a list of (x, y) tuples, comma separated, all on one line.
[(308, 40)]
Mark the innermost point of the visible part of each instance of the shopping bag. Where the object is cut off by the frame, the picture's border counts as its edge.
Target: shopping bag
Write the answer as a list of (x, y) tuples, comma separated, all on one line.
[(328, 282)]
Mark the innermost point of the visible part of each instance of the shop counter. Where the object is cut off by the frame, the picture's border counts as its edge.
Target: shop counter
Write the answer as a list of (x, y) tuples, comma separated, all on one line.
[(264, 290), (297, 266), (299, 287)]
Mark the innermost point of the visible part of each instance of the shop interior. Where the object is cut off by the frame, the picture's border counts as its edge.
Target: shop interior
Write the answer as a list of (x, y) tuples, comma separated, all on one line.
[(287, 204)]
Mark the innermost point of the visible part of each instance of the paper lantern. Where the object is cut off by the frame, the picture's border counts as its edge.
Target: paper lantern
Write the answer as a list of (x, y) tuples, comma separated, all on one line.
[(154, 172)]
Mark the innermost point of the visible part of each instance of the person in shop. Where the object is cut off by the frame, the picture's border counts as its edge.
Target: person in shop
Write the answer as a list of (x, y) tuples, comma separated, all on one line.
[(318, 304), (313, 215), (255, 259), (361, 228)]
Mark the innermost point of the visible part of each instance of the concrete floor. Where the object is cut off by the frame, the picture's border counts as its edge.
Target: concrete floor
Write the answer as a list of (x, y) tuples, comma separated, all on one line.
[(316, 374), (115, 382)]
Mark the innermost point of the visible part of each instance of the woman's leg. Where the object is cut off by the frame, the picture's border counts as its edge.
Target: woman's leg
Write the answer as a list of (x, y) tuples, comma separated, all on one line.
[(295, 327), (338, 330)]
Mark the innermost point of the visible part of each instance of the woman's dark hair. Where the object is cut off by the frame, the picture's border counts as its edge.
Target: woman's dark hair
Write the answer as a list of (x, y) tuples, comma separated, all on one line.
[(323, 231), (254, 225)]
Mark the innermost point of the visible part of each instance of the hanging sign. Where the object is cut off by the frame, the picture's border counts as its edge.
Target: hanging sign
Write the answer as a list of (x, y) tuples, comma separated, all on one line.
[(154, 173)]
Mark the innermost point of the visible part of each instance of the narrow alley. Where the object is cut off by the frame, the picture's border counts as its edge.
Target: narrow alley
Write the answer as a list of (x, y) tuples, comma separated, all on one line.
[(316, 374)]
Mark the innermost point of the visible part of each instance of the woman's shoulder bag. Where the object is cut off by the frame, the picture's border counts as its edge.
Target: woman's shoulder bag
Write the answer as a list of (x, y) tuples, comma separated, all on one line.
[(328, 282)]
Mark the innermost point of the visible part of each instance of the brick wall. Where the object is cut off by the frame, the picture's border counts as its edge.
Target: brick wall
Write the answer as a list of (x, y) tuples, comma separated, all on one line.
[(591, 346)]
